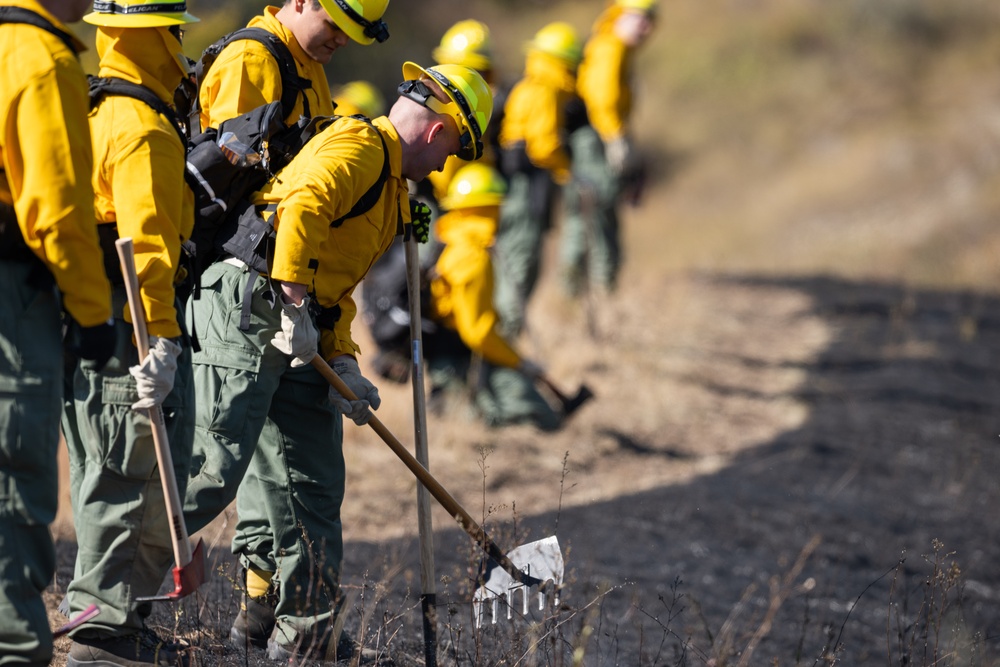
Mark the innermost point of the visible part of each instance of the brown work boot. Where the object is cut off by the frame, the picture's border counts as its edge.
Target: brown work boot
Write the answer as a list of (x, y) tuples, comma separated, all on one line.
[(141, 649), (254, 623)]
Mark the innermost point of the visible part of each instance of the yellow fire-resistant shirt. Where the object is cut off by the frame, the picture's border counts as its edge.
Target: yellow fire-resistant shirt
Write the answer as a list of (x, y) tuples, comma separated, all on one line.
[(535, 114), (604, 78), (46, 159), (322, 183), (462, 288), (139, 181), (245, 76)]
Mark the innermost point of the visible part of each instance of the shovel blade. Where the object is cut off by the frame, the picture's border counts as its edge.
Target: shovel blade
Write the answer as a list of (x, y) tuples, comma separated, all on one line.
[(541, 560), (187, 578)]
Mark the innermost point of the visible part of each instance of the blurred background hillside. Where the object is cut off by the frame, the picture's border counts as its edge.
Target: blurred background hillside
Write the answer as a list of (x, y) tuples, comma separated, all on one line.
[(867, 118), (862, 112)]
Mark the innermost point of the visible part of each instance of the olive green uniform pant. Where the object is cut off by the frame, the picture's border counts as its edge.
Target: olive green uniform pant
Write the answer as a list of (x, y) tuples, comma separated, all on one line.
[(268, 430), (30, 387), (524, 219), (502, 396), (590, 247), (122, 529)]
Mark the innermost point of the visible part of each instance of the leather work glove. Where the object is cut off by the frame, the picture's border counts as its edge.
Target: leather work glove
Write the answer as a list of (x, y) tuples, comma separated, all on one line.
[(298, 337), (530, 369), (96, 343), (154, 376), (618, 153), (347, 368)]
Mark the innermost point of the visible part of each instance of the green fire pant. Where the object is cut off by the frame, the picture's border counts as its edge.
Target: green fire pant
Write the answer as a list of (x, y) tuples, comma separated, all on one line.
[(30, 387), (524, 219), (268, 430), (590, 248), (120, 513)]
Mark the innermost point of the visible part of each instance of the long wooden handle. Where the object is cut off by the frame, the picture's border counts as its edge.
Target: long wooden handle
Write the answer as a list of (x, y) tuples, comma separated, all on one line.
[(424, 524), (553, 388), (439, 492), (175, 514)]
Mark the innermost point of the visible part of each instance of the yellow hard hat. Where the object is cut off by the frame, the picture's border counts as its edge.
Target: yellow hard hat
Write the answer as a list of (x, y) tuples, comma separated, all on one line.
[(360, 19), (559, 40), (359, 97), (466, 43), (475, 185), (648, 6), (470, 100), (139, 14), (645, 6)]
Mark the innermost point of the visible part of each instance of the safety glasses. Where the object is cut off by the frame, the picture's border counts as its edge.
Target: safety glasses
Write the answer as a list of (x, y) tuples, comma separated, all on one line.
[(377, 30), (470, 141)]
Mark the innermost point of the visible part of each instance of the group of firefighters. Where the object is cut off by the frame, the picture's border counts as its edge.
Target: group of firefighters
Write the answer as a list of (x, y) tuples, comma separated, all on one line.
[(230, 367)]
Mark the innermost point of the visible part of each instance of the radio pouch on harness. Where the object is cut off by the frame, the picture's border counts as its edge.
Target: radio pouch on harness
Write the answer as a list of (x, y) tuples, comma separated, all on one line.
[(227, 165)]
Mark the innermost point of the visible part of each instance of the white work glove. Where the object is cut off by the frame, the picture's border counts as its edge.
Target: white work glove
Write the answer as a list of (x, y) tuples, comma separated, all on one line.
[(154, 376), (530, 369), (617, 152), (347, 368), (298, 337)]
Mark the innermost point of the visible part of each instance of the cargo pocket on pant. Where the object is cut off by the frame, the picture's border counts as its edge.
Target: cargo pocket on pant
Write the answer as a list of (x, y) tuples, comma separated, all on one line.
[(127, 434)]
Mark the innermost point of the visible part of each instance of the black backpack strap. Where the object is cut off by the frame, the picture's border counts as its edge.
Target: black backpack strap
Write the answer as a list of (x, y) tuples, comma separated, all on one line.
[(21, 15), (374, 193), (291, 83), (99, 86)]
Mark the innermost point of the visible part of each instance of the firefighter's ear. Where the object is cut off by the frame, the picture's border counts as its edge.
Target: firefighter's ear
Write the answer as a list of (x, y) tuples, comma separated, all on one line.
[(434, 131)]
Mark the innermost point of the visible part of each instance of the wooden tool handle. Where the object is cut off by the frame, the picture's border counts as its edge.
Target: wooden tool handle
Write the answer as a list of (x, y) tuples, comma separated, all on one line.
[(439, 492), (175, 513)]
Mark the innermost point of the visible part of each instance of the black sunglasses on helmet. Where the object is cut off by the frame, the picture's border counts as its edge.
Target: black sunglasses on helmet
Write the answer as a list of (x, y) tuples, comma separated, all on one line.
[(377, 30)]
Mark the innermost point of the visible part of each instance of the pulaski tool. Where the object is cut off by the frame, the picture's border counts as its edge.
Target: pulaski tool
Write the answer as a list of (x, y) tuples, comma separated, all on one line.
[(189, 567)]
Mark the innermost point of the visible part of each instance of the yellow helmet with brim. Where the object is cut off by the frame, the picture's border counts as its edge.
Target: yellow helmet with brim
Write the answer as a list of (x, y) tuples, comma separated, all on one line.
[(470, 100), (466, 43), (139, 14), (475, 185), (360, 19)]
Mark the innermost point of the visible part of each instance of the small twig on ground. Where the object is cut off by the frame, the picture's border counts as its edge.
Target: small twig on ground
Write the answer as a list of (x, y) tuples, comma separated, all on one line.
[(826, 649), (779, 593)]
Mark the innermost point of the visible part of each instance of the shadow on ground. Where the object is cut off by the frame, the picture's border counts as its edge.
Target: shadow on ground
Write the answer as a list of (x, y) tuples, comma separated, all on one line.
[(889, 482)]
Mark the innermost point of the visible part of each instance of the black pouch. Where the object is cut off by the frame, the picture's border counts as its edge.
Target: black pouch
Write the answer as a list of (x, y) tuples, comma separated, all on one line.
[(252, 240)]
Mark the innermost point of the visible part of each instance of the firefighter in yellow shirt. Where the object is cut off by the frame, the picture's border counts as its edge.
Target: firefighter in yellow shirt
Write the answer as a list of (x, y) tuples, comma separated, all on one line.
[(48, 249), (246, 75), (541, 111), (139, 152), (461, 303), (359, 98), (603, 155), (272, 416)]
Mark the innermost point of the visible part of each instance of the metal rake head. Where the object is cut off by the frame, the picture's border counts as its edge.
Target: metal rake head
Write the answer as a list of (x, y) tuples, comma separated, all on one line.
[(541, 559)]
